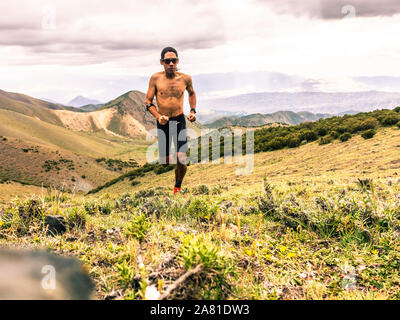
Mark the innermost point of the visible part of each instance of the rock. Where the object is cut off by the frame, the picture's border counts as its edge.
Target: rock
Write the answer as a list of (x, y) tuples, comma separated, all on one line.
[(42, 275), (55, 224)]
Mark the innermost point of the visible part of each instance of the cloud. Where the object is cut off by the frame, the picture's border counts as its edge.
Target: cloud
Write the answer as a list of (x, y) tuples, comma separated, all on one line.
[(334, 9), (93, 31)]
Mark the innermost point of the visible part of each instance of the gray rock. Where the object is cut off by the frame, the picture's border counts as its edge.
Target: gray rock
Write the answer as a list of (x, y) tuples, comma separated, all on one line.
[(42, 275), (55, 224)]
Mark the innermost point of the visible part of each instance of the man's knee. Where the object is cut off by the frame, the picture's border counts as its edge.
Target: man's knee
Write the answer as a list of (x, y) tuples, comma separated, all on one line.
[(181, 158)]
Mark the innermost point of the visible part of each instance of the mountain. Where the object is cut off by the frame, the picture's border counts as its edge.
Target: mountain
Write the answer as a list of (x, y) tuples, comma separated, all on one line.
[(259, 119), (80, 101), (55, 145), (91, 107), (32, 107), (316, 102), (124, 116), (207, 116)]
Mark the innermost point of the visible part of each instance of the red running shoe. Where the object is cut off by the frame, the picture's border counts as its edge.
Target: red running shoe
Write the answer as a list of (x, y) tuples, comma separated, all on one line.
[(176, 190)]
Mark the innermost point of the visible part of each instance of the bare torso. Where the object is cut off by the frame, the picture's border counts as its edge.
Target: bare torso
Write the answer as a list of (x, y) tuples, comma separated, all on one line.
[(170, 93)]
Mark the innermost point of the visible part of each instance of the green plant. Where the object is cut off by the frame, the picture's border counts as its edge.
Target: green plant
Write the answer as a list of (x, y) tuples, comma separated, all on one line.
[(325, 140), (368, 134), (76, 217), (138, 227), (216, 266), (201, 189), (200, 208), (345, 136)]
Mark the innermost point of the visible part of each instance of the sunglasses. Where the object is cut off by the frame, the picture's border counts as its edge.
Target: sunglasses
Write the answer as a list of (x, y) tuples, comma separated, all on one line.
[(168, 61)]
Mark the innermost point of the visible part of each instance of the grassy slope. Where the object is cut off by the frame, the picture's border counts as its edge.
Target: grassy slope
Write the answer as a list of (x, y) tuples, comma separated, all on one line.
[(31, 107), (356, 158), (272, 256), (25, 132)]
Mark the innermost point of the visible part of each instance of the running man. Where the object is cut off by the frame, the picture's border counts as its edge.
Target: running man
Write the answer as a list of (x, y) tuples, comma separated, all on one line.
[(169, 87)]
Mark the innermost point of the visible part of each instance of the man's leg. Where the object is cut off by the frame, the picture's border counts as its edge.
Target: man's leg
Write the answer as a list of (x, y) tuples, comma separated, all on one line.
[(164, 144), (180, 168)]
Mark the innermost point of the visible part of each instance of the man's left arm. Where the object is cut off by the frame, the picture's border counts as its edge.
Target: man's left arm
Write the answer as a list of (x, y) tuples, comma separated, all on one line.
[(192, 98)]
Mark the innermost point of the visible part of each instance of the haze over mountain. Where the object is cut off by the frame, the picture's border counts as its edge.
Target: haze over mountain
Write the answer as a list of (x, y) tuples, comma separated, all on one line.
[(258, 119), (316, 102), (80, 101)]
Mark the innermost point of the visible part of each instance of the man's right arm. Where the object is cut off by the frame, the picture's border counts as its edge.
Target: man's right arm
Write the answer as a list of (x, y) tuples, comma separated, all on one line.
[(150, 96)]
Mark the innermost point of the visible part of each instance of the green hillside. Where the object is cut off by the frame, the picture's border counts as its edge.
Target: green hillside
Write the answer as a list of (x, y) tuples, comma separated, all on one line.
[(31, 107)]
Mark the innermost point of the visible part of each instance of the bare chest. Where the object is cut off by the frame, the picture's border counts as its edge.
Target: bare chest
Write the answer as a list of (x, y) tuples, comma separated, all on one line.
[(171, 88)]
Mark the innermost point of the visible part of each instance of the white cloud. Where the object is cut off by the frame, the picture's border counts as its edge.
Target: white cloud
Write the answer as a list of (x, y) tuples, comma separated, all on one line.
[(93, 43)]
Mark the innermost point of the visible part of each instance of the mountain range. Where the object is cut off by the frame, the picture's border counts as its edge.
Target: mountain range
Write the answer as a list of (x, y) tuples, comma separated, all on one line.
[(258, 119), (315, 102)]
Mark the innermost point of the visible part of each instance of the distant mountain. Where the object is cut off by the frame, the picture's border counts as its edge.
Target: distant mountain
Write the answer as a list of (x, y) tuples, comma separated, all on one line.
[(259, 119), (91, 107), (316, 102), (80, 101), (208, 116)]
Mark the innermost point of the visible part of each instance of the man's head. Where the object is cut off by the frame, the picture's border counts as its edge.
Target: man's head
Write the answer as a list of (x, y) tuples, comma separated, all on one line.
[(169, 59)]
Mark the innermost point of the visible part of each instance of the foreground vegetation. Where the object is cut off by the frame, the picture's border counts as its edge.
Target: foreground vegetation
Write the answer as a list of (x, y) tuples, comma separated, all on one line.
[(314, 222), (280, 242)]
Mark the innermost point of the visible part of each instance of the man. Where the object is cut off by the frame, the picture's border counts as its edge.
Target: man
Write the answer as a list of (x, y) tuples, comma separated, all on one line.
[(169, 87)]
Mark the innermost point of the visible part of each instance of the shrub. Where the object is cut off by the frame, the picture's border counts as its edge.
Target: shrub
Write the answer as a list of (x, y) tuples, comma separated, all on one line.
[(159, 168), (202, 209), (345, 136), (397, 109), (201, 189), (276, 143), (212, 281), (334, 134), (370, 123), (368, 134), (321, 131), (390, 120), (325, 140), (76, 217), (293, 141), (91, 208), (308, 135), (106, 208)]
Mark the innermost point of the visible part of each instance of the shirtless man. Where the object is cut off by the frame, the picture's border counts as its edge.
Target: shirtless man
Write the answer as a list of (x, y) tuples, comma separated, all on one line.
[(169, 87)]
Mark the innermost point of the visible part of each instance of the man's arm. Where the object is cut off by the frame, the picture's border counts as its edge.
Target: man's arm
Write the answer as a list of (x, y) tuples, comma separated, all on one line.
[(192, 94), (150, 96)]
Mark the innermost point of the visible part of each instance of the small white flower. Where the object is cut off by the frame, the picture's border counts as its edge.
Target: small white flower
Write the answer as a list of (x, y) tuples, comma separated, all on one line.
[(152, 293)]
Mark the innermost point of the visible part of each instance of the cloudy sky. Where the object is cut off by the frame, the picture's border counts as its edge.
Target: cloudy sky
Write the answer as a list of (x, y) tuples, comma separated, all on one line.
[(59, 49)]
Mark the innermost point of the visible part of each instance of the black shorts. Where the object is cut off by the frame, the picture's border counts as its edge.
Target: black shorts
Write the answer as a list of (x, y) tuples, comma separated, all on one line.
[(173, 130)]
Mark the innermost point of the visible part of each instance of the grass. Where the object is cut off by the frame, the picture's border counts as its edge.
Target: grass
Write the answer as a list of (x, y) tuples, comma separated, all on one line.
[(315, 222)]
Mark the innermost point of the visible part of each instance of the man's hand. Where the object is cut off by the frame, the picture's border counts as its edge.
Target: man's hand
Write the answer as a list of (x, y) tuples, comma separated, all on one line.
[(191, 117), (163, 120)]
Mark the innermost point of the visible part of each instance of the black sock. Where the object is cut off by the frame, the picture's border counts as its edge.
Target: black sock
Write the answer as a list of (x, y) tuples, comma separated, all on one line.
[(178, 183)]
